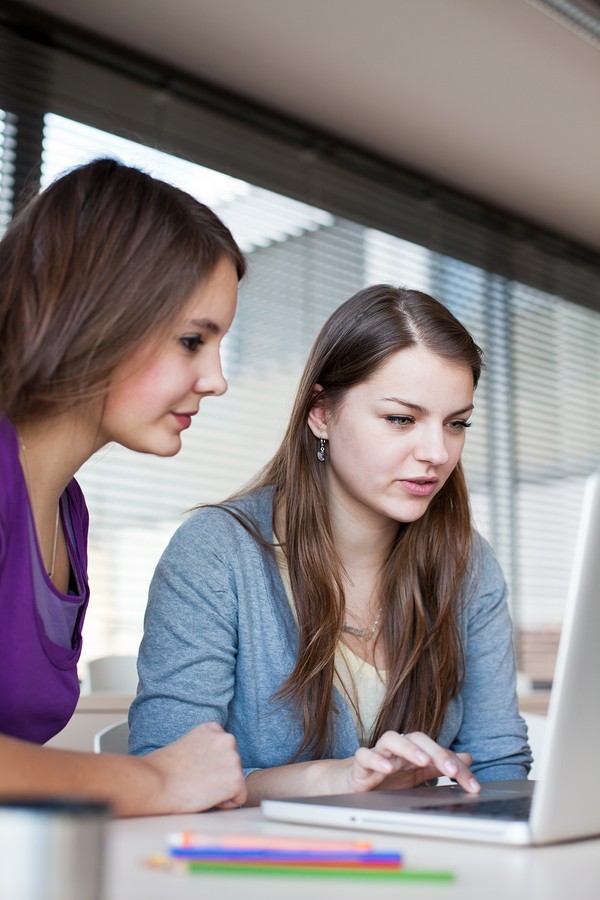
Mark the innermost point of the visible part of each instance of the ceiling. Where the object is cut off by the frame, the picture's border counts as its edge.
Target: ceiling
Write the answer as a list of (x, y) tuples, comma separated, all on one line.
[(492, 97)]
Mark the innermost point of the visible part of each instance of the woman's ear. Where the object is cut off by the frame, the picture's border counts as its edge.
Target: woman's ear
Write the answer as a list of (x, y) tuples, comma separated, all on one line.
[(317, 417)]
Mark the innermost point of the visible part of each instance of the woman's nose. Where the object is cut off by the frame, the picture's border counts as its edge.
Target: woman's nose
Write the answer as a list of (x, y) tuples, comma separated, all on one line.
[(432, 446), (211, 380)]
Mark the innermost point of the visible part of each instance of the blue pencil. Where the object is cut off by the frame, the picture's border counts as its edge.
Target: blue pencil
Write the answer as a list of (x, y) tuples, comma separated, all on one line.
[(266, 855)]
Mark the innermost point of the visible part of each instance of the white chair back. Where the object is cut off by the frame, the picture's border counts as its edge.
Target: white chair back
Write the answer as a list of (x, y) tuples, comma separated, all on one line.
[(113, 738), (113, 675)]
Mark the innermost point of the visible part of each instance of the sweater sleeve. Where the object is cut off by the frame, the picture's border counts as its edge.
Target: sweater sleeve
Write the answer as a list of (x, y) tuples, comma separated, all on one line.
[(188, 652), (491, 729), (219, 642)]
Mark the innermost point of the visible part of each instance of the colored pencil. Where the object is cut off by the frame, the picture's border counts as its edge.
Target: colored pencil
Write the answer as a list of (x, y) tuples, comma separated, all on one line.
[(399, 874), (255, 841), (331, 857)]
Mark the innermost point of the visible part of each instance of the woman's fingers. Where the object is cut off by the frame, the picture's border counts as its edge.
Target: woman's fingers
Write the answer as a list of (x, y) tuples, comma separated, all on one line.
[(373, 761), (423, 752), (369, 768), (407, 760)]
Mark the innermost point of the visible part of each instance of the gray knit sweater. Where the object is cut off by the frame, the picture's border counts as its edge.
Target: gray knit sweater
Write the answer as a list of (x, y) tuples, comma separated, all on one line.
[(220, 640)]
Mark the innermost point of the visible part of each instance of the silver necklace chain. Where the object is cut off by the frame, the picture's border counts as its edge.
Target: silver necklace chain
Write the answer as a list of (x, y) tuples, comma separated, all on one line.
[(30, 487), (366, 633)]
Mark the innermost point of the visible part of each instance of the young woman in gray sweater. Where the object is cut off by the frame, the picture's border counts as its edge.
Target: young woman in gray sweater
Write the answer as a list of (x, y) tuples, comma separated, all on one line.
[(341, 617)]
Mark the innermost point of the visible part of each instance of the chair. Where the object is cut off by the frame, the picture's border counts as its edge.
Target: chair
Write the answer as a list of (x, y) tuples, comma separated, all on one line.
[(536, 729), (113, 675), (113, 738)]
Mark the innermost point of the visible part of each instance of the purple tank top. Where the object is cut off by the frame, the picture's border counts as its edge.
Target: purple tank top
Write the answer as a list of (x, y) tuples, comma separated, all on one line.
[(40, 628)]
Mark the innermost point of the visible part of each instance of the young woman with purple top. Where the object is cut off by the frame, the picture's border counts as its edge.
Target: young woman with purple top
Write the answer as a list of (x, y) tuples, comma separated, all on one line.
[(115, 292)]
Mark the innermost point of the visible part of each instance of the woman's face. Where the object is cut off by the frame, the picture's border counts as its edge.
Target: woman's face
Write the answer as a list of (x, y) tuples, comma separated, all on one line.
[(158, 389), (396, 437)]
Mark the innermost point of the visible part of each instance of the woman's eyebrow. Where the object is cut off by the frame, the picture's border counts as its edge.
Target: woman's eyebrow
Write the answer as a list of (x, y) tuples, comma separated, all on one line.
[(208, 324), (421, 409), (402, 402)]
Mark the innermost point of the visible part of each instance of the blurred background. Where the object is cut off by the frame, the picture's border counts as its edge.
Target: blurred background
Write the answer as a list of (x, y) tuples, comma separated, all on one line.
[(449, 147)]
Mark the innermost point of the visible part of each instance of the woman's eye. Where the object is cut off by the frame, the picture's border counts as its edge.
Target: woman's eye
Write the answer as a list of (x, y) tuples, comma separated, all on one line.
[(401, 421), (457, 424), (191, 342)]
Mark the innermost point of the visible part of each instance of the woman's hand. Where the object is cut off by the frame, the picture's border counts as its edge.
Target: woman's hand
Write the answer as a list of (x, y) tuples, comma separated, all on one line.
[(200, 770), (396, 761), (405, 760)]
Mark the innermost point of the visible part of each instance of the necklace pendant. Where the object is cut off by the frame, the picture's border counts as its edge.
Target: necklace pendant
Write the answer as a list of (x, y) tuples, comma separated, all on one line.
[(358, 632), (365, 633)]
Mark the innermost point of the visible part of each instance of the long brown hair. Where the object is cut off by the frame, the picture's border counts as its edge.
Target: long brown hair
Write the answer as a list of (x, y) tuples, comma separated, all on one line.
[(90, 268), (424, 574)]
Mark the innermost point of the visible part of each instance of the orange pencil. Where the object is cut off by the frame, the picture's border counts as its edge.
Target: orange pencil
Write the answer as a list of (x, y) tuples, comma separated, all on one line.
[(191, 839)]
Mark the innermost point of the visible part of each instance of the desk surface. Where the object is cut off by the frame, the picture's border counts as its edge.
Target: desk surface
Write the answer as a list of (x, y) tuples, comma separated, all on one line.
[(482, 871)]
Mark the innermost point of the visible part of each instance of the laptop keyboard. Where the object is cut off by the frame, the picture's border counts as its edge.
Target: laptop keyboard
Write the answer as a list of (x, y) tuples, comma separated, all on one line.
[(514, 809)]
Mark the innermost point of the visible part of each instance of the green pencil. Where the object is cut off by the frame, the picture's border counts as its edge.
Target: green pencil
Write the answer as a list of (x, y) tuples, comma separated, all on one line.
[(319, 872)]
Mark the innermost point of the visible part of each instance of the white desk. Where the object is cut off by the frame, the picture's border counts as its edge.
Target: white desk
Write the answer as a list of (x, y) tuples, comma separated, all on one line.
[(483, 872)]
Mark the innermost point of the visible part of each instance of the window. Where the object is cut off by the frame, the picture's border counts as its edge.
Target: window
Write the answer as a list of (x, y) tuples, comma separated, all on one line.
[(318, 223)]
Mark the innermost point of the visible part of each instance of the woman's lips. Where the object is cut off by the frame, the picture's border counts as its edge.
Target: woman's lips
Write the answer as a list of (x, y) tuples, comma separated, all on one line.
[(184, 419), (418, 487)]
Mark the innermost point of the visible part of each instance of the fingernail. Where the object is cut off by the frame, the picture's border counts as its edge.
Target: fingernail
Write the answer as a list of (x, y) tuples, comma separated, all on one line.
[(450, 768), (422, 757), (473, 783)]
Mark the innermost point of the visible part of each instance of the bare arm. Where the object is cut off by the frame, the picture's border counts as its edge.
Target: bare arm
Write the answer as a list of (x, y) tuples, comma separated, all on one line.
[(397, 761), (200, 770)]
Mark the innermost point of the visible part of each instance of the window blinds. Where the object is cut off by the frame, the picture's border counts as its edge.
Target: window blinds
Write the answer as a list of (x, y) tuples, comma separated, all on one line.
[(318, 221)]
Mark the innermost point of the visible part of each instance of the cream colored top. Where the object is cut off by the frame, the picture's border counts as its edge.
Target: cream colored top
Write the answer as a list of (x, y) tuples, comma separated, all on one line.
[(360, 683)]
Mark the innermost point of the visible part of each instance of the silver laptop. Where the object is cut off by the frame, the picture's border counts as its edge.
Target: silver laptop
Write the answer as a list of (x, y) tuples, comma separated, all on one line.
[(564, 803)]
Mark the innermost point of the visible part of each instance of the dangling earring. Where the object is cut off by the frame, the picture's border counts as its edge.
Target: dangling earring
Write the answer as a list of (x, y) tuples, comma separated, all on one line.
[(321, 450)]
